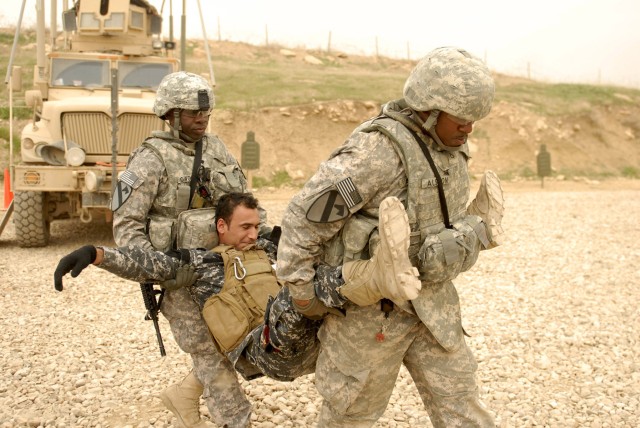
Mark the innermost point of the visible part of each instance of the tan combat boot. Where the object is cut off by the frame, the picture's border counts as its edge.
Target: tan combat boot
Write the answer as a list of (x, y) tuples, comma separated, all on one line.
[(489, 206), (389, 273), (183, 399)]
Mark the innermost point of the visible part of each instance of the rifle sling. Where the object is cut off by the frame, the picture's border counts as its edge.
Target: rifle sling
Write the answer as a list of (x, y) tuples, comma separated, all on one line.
[(194, 173)]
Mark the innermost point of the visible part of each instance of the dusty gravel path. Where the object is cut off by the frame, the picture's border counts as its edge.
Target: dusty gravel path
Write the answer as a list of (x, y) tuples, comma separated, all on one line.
[(553, 316)]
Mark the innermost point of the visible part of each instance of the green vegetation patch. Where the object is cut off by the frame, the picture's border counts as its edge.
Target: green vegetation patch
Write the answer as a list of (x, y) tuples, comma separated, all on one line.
[(563, 98), (630, 172), (266, 84), (18, 112), (4, 134), (280, 178), (7, 36)]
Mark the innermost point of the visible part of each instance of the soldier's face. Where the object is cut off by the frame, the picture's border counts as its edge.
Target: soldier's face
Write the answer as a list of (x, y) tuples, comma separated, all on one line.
[(242, 230), (194, 123), (453, 131)]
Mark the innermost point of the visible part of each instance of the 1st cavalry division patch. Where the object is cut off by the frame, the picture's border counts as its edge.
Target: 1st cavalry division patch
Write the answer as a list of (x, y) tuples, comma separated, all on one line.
[(123, 189), (334, 204)]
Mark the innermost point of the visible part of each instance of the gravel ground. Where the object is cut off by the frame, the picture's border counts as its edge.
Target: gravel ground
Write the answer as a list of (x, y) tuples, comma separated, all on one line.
[(553, 316)]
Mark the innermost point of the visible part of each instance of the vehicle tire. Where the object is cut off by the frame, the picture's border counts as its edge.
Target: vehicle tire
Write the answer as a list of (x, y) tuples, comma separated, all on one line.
[(30, 219)]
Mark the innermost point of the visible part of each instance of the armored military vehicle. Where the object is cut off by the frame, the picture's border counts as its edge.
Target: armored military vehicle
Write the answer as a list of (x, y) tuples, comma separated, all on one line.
[(92, 105)]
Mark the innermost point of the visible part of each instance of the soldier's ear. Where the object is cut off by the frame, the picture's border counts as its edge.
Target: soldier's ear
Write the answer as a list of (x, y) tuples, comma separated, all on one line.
[(221, 226)]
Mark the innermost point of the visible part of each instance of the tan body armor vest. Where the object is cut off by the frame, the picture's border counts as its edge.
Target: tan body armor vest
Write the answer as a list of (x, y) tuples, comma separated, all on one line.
[(249, 280)]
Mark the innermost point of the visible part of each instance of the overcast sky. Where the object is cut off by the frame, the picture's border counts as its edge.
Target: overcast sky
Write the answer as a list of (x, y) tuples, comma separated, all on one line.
[(582, 41)]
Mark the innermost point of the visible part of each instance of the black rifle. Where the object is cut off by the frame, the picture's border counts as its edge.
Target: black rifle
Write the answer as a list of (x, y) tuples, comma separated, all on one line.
[(153, 307)]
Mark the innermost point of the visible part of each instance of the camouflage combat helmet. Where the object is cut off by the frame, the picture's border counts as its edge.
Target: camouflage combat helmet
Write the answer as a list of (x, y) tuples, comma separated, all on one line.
[(183, 90), (451, 80)]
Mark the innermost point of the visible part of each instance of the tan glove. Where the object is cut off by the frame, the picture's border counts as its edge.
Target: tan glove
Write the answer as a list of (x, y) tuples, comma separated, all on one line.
[(185, 276), (316, 310)]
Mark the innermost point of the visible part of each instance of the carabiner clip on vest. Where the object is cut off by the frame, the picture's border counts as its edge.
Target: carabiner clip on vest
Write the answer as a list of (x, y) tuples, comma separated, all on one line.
[(237, 262)]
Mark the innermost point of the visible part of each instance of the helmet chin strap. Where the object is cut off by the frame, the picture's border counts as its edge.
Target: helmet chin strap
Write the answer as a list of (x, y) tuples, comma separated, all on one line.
[(176, 129), (177, 126), (430, 126), (430, 123)]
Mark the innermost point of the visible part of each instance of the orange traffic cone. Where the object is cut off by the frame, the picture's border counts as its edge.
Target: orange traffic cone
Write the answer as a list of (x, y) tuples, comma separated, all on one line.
[(8, 194)]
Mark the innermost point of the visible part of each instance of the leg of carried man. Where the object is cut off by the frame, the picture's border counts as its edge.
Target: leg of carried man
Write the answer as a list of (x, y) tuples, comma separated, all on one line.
[(389, 273), (446, 382), (223, 394)]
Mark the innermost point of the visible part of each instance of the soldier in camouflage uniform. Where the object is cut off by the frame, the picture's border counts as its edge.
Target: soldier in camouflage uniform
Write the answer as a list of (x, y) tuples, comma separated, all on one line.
[(416, 151), (155, 188), (285, 346)]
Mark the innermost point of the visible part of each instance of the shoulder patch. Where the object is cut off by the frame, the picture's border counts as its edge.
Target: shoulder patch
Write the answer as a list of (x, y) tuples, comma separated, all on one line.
[(349, 192), (334, 204), (123, 189), (327, 208), (129, 177)]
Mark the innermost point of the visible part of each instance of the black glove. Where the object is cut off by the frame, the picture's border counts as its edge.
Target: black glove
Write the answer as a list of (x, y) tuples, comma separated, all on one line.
[(74, 262), (274, 236)]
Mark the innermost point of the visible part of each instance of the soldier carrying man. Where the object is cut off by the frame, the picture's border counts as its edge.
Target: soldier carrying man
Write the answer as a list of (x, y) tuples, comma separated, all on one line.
[(285, 346)]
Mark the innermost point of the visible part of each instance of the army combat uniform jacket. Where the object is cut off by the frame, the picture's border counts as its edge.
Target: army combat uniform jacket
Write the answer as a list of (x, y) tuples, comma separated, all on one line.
[(382, 159), (159, 173)]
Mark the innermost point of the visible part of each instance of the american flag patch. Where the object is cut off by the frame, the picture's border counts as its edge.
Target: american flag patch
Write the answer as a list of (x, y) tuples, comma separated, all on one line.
[(129, 177), (349, 193)]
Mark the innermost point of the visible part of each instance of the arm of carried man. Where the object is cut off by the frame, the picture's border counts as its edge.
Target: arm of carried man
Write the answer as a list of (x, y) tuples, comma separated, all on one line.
[(129, 262), (141, 265)]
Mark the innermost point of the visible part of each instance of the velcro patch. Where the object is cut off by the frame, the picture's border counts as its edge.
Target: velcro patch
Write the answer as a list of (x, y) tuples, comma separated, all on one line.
[(128, 177), (349, 192)]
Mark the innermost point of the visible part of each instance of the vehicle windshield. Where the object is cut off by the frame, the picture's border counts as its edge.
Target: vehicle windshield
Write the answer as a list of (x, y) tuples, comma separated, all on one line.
[(96, 73), (83, 73), (142, 74)]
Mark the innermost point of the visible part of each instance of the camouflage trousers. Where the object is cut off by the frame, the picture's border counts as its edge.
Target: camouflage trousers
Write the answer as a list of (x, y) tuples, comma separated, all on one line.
[(223, 394), (285, 346), (356, 374)]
